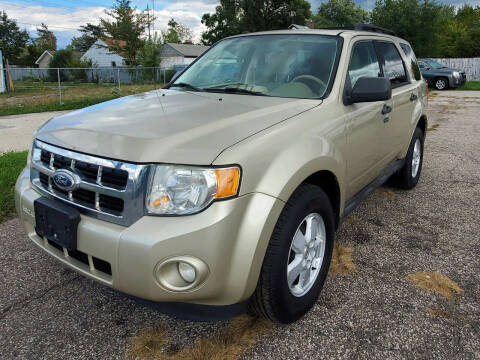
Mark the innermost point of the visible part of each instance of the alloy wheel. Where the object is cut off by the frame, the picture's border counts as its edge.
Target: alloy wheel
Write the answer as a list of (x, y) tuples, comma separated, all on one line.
[(416, 157), (306, 254)]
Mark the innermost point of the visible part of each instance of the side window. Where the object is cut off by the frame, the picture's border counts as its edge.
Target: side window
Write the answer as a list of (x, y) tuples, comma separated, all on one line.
[(363, 62), (393, 68), (413, 60)]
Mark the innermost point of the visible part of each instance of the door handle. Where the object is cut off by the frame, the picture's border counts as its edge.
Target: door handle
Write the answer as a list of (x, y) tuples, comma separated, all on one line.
[(386, 109), (413, 97)]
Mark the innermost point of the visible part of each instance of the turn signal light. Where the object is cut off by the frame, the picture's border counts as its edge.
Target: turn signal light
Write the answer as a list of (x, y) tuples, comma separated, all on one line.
[(227, 182)]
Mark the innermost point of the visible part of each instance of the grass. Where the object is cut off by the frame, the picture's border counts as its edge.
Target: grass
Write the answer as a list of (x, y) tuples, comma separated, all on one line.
[(11, 164), (434, 281), (470, 85), (342, 263), (31, 97), (228, 343)]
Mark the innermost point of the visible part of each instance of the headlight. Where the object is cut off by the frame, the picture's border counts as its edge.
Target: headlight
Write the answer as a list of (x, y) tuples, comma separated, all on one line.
[(456, 74), (183, 190), (33, 154)]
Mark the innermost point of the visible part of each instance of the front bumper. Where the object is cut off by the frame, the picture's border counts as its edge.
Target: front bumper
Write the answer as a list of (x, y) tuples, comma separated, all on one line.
[(457, 81), (230, 238)]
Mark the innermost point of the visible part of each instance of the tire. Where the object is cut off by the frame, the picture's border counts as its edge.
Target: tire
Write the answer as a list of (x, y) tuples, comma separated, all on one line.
[(408, 176), (273, 298), (441, 83)]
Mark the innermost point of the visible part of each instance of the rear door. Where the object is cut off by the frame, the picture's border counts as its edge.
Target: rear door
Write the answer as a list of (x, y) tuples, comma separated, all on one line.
[(404, 96)]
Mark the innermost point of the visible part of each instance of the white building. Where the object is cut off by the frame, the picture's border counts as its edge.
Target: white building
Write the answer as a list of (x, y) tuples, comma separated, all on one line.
[(44, 59), (180, 54), (101, 54)]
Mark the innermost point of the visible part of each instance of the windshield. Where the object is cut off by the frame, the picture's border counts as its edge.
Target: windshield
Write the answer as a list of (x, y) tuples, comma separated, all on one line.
[(435, 65), (293, 66)]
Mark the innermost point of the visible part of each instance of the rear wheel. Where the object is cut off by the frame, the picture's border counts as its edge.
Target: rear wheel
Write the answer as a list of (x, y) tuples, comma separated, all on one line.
[(408, 176), (297, 259)]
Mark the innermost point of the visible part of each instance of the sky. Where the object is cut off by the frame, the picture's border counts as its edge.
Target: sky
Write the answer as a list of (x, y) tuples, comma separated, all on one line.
[(64, 17)]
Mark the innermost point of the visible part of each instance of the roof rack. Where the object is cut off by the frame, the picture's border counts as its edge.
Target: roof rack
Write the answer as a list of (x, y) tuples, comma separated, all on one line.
[(363, 27), (374, 28), (297, 27)]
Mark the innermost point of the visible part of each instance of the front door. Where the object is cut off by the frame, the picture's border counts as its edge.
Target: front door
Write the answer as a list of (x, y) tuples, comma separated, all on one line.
[(368, 130)]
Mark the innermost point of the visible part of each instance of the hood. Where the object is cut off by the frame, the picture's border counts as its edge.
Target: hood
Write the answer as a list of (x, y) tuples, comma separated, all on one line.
[(168, 126)]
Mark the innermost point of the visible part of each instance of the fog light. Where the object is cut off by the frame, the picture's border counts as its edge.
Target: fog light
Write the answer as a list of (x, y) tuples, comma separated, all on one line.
[(187, 272)]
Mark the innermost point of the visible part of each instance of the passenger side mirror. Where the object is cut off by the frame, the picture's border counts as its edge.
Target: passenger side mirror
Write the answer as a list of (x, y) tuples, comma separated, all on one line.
[(370, 89)]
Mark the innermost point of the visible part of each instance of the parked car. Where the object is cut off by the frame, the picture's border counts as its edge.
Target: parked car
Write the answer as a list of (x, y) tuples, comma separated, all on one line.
[(439, 76), (224, 192)]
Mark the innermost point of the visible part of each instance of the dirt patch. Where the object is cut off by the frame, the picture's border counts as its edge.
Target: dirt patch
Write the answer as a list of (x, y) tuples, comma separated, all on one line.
[(351, 220), (438, 312), (342, 263), (228, 343), (387, 192), (434, 281), (433, 128)]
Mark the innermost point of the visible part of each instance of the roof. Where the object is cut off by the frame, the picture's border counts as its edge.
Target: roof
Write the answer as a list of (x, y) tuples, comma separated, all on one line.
[(115, 45), (189, 50), (45, 53), (345, 33)]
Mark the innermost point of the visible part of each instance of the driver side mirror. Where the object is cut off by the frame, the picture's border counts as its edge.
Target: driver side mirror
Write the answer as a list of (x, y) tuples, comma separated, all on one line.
[(370, 89)]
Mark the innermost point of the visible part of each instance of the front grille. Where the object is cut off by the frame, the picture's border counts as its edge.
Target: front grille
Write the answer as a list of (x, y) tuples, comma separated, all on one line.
[(109, 177), (108, 189)]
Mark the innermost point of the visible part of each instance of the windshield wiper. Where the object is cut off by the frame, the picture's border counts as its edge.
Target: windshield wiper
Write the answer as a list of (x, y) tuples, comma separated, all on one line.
[(235, 90), (187, 86)]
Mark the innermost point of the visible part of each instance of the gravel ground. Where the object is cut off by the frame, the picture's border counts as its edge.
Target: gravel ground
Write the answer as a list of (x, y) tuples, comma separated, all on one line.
[(47, 311)]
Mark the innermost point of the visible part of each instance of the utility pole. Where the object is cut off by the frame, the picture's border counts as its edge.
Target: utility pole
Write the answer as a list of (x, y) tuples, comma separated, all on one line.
[(153, 9), (148, 22)]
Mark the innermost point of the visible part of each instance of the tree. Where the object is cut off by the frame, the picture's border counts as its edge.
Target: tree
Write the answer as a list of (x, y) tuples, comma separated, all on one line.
[(233, 17), (149, 56), (340, 13), (90, 34), (460, 36), (66, 58), (127, 25), (12, 39), (46, 39), (223, 23), (419, 22), (176, 32)]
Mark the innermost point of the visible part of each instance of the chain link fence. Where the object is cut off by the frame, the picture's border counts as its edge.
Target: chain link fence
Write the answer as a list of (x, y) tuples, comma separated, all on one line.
[(78, 87)]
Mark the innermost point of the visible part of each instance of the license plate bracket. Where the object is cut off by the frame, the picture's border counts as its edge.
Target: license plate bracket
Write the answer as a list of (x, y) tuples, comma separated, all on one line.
[(57, 222)]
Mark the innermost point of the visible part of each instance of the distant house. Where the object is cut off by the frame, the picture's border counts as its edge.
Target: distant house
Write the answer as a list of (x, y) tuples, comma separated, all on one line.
[(44, 59), (101, 53), (180, 54)]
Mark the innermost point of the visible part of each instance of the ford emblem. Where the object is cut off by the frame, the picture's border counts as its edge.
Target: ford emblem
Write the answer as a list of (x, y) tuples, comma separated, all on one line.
[(66, 180)]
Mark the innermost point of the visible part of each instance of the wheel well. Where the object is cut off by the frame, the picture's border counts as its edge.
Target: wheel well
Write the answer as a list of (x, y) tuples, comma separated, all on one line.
[(327, 181), (422, 124)]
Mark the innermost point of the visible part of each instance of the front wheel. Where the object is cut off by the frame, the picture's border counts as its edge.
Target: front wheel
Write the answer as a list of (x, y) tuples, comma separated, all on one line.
[(297, 259), (408, 176), (441, 83)]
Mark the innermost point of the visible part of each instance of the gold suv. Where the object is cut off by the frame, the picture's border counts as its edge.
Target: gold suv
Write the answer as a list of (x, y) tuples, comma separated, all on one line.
[(224, 189)]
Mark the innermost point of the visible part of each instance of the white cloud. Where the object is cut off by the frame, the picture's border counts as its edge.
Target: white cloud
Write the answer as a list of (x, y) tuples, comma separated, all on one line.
[(64, 21), (188, 13)]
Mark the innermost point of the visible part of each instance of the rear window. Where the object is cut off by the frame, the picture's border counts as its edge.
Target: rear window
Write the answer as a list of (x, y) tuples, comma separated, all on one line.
[(413, 60), (393, 68)]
